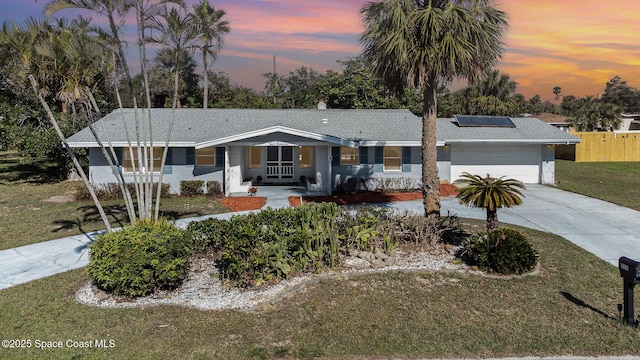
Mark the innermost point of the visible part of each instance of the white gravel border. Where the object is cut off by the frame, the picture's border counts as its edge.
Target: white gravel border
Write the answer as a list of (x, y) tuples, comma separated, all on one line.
[(203, 290)]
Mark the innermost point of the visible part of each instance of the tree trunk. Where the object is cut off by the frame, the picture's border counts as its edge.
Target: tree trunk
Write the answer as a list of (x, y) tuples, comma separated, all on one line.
[(205, 97), (430, 180), (492, 220), (176, 85), (54, 123)]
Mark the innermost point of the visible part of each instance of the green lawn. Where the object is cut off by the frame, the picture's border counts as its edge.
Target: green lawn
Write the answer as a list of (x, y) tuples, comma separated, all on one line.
[(568, 308), (34, 207), (616, 182)]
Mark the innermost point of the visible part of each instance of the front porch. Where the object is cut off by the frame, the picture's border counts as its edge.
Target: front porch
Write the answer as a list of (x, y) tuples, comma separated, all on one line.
[(277, 166)]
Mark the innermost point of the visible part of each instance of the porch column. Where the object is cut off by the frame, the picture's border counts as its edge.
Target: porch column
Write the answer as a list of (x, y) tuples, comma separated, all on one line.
[(227, 175), (328, 176)]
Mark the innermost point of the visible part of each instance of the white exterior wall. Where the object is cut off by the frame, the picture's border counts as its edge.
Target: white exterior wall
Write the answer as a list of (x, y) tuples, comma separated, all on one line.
[(548, 167), (321, 162), (100, 172), (233, 163)]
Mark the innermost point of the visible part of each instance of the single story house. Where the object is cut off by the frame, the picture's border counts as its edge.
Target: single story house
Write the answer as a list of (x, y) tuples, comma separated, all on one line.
[(321, 147)]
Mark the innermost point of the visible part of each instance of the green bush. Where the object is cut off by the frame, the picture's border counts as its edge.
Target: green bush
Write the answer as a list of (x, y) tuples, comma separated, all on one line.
[(275, 243), (140, 259), (191, 187), (209, 234), (271, 244), (504, 251)]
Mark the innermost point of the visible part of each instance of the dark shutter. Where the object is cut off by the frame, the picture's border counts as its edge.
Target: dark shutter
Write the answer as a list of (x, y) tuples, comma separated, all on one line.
[(379, 161), (364, 155), (169, 160), (119, 155), (191, 156), (119, 162), (335, 156), (406, 159), (220, 157), (168, 164)]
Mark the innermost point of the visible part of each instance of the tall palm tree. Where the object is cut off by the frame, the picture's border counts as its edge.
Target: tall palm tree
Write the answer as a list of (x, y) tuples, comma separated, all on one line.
[(490, 194), (75, 57), (211, 29), (109, 8), (178, 32), (497, 84), (17, 45), (425, 43), (116, 11)]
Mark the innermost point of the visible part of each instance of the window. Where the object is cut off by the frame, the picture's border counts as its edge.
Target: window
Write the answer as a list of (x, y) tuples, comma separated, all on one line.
[(154, 154), (305, 157), (206, 156), (392, 158), (348, 156), (254, 157)]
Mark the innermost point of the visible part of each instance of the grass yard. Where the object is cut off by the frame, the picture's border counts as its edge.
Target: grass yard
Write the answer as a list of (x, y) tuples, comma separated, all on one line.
[(616, 182), (35, 208), (569, 308)]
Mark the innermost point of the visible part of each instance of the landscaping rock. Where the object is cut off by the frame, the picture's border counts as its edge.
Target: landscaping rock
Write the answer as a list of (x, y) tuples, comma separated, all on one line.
[(366, 255), (378, 264), (357, 263), (380, 255), (390, 260)]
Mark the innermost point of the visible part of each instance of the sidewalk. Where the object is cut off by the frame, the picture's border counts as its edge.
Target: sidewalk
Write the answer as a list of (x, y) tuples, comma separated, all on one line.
[(604, 229)]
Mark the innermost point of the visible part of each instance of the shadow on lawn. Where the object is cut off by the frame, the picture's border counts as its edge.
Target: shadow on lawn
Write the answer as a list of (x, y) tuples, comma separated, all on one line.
[(25, 170), (117, 215), (581, 303)]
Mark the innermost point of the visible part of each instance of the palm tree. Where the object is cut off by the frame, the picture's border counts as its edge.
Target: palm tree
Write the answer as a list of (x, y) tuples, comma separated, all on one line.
[(423, 44), (178, 32), (76, 59), (211, 28), (497, 84), (490, 194)]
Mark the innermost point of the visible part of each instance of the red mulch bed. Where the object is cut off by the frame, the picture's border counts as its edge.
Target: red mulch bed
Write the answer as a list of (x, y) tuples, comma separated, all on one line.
[(371, 197), (243, 203)]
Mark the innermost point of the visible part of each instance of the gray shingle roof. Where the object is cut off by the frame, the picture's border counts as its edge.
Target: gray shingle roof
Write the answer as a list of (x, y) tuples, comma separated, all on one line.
[(197, 126)]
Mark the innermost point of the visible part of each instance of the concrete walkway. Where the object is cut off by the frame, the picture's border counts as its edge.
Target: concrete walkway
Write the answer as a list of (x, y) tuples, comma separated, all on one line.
[(606, 230)]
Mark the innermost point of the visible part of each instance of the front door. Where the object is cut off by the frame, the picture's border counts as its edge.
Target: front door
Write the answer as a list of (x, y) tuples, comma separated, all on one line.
[(279, 163)]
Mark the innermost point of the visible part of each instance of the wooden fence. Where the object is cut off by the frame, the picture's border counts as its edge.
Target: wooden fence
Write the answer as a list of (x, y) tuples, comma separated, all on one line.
[(602, 146)]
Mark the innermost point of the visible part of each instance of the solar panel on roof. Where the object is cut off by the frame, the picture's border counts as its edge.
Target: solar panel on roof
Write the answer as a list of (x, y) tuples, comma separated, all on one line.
[(484, 121)]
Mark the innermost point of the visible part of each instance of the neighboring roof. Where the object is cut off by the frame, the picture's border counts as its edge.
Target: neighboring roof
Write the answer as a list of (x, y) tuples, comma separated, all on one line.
[(201, 128), (550, 118)]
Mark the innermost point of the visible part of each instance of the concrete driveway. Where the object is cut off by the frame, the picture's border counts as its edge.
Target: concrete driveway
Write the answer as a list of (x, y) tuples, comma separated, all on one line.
[(602, 228)]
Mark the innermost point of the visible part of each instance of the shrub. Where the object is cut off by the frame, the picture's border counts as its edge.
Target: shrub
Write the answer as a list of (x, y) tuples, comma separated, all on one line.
[(271, 244), (214, 189), (140, 259), (401, 184), (503, 251), (275, 243), (111, 191), (191, 187), (209, 234)]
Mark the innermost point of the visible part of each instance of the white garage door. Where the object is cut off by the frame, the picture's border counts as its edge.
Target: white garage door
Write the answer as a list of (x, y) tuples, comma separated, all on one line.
[(521, 162)]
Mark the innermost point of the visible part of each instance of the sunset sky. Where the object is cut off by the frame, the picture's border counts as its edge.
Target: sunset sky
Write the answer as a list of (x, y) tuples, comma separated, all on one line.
[(576, 44)]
